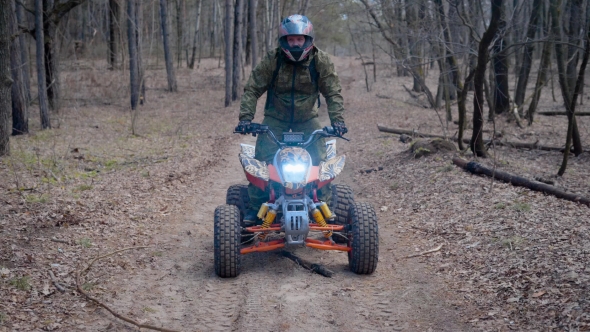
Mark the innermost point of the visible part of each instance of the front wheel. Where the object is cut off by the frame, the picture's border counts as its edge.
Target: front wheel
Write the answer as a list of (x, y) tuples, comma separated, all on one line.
[(363, 238), (227, 241)]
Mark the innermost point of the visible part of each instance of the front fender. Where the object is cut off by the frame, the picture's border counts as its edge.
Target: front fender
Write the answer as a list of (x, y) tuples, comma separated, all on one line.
[(330, 169)]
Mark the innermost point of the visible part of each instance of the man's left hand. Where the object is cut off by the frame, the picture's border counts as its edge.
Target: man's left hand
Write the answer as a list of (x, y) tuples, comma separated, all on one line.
[(339, 128)]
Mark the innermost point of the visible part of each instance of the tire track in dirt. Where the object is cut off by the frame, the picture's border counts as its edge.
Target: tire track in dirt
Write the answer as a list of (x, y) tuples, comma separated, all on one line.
[(273, 293)]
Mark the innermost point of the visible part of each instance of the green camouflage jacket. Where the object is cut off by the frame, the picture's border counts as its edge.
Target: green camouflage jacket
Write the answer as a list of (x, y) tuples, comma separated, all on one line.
[(295, 95)]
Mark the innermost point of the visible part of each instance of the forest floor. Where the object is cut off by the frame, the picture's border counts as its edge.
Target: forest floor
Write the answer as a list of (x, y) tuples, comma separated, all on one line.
[(511, 258)]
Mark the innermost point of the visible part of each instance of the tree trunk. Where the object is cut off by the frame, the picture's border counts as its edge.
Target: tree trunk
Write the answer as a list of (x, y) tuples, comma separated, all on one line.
[(180, 9), (562, 74), (578, 89), (114, 33), (542, 75), (527, 56), (515, 180), (575, 25), (476, 143), (20, 113), (462, 109), (253, 34), (237, 52), (40, 55), (500, 62), (191, 62), (228, 51), (415, 47), (172, 87), (452, 64), (5, 79), (51, 56), (133, 60), (140, 67), (246, 39), (20, 17)]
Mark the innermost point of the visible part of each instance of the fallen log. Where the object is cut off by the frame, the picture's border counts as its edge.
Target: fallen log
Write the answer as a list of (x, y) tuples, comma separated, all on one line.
[(516, 145), (519, 181), (317, 268), (554, 113)]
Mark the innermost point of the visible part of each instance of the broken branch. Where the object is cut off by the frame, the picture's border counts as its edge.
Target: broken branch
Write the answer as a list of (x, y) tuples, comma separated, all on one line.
[(516, 145), (55, 283), (515, 180), (426, 252), (552, 113), (79, 275), (317, 268)]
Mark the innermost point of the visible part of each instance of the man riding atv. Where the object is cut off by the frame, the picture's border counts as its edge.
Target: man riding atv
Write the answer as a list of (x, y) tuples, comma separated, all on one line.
[(293, 75)]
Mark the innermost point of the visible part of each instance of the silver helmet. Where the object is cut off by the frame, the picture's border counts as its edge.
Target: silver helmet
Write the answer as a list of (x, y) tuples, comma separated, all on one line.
[(296, 25)]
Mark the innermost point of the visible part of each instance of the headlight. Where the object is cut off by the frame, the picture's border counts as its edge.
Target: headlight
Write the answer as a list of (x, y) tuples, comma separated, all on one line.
[(295, 173), (293, 168), (293, 164)]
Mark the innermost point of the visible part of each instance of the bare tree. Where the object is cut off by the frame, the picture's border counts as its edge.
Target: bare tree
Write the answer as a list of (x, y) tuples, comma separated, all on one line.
[(20, 17), (114, 33), (5, 80), (191, 61), (500, 73), (476, 143), (180, 9), (228, 51), (172, 87), (133, 53), (20, 112), (304, 5), (542, 75), (40, 56), (237, 46), (527, 56), (569, 96), (253, 33)]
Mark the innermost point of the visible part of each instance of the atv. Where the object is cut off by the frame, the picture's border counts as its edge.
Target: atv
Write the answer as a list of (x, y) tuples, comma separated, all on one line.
[(293, 212)]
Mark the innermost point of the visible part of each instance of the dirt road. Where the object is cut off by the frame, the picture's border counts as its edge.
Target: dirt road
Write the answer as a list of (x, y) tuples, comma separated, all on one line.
[(273, 293)]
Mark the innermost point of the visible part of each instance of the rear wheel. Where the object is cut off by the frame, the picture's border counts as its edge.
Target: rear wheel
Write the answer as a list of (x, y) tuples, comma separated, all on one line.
[(363, 238), (227, 241), (342, 199), (237, 195)]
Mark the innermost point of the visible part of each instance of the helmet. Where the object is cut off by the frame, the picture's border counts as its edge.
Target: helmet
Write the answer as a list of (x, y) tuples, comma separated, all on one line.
[(296, 25)]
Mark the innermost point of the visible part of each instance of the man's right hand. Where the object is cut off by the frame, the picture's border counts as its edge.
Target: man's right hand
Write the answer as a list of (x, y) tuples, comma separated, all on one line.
[(243, 127)]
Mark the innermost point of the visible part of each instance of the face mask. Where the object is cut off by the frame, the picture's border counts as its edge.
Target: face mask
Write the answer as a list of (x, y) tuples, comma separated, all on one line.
[(296, 51)]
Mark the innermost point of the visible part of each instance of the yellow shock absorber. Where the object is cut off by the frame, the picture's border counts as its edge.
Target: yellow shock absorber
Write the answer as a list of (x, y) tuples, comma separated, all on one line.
[(326, 211), (262, 211), (267, 221), (319, 219)]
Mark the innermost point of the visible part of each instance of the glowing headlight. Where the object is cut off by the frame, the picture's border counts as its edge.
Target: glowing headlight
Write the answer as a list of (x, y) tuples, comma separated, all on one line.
[(294, 168)]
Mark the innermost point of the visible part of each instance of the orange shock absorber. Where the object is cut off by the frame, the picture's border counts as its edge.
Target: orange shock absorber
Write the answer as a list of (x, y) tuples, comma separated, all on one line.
[(267, 221), (319, 219)]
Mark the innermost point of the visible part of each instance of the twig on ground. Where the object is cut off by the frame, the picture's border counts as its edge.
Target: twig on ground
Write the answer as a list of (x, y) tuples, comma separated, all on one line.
[(55, 283), (97, 301), (317, 268), (426, 252), (59, 240)]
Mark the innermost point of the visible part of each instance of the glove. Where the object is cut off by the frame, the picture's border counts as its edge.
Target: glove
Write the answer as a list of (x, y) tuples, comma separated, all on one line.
[(243, 127), (339, 128)]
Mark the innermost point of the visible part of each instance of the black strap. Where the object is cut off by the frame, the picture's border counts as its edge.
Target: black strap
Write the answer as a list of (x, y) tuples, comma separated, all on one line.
[(313, 72), (271, 88)]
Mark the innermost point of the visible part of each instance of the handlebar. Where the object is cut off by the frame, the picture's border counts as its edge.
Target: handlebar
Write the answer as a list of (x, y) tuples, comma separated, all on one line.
[(256, 128)]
